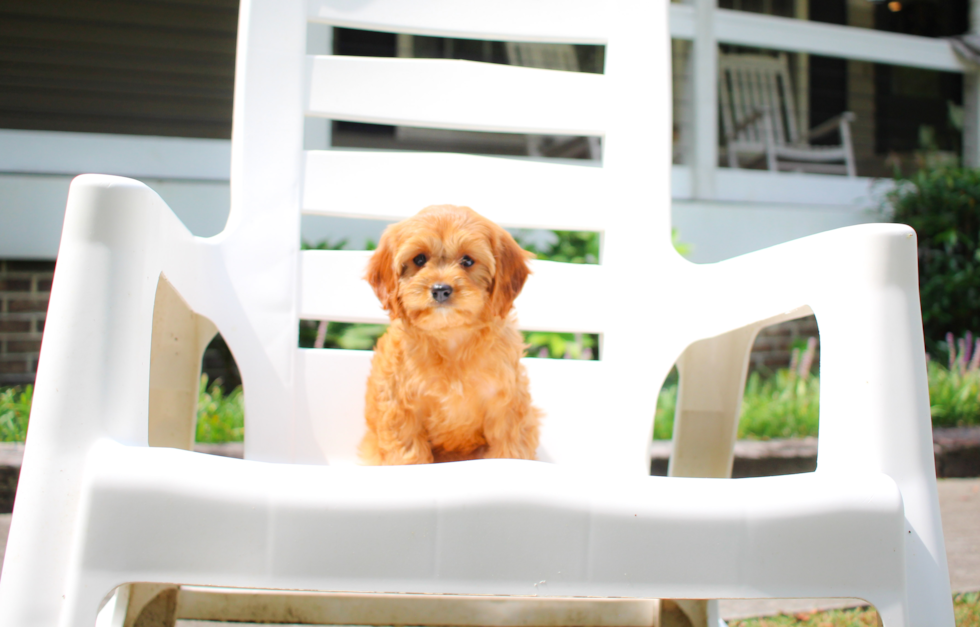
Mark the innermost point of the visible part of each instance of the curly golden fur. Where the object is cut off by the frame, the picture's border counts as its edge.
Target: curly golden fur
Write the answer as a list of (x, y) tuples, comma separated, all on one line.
[(446, 380)]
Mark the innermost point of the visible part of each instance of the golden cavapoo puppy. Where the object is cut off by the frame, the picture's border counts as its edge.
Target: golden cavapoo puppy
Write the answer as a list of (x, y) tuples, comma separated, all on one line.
[(446, 380)]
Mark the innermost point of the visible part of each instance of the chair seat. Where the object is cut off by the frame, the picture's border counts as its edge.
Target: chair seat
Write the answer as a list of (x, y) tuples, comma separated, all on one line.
[(166, 515)]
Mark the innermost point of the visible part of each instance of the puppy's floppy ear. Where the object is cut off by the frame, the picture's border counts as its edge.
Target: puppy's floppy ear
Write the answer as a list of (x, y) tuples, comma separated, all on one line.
[(381, 272), (512, 272)]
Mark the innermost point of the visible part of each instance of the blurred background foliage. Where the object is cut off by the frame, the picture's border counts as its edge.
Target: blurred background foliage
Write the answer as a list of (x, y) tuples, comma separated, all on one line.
[(220, 416), (941, 204), (15, 409)]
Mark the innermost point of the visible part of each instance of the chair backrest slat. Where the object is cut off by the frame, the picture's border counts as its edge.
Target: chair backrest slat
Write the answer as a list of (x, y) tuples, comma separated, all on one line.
[(332, 288), (462, 95), (513, 192), (560, 21), (330, 424)]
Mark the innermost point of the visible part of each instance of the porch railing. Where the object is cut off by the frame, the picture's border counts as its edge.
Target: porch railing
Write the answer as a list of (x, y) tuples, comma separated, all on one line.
[(708, 26)]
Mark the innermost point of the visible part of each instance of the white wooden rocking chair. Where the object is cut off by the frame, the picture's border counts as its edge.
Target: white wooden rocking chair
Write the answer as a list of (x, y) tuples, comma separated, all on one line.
[(758, 118)]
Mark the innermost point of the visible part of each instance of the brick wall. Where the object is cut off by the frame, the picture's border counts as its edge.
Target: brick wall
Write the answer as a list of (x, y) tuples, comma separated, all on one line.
[(773, 346), (24, 290)]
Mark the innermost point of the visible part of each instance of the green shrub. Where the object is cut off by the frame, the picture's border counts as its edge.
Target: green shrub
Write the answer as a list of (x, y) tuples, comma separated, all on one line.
[(581, 246), (784, 405), (348, 335), (941, 205), (220, 417), (326, 244), (554, 345), (15, 409), (568, 246), (954, 390), (663, 422)]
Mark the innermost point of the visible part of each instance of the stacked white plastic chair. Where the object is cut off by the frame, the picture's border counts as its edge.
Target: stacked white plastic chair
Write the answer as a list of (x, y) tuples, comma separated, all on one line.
[(103, 502)]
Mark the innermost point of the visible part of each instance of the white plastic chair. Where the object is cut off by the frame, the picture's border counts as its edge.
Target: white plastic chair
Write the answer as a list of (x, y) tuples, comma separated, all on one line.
[(758, 117), (102, 502)]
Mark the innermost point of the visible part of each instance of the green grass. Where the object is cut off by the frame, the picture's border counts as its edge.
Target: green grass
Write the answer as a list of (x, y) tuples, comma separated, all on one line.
[(966, 607), (954, 388), (220, 416), (853, 617), (954, 396), (15, 408), (784, 405)]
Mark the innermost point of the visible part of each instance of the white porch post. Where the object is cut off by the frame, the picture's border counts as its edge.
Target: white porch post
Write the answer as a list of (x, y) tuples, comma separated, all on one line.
[(704, 102), (971, 101)]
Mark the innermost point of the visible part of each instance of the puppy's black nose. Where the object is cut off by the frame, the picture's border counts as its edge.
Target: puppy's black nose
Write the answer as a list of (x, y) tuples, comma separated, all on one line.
[(441, 292)]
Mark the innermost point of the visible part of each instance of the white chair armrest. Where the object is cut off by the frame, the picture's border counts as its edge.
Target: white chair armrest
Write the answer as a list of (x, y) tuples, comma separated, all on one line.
[(93, 373), (831, 125), (862, 284)]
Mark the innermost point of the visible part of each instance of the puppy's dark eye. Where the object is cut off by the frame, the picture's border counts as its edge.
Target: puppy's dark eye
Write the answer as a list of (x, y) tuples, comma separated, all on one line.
[(466, 261), (419, 260)]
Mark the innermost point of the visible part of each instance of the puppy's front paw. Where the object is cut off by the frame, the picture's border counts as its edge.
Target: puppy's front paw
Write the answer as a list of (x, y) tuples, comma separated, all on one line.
[(513, 434), (417, 453), (512, 450)]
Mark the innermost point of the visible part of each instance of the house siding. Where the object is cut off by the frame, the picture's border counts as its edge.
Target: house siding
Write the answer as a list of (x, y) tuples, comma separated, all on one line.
[(117, 66)]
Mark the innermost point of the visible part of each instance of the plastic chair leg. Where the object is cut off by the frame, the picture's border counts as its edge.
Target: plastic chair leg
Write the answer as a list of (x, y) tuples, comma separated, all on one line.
[(152, 605), (178, 342), (700, 612), (709, 397)]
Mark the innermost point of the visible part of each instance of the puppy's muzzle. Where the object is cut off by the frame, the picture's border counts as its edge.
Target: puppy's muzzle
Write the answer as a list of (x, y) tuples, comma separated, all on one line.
[(441, 292)]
